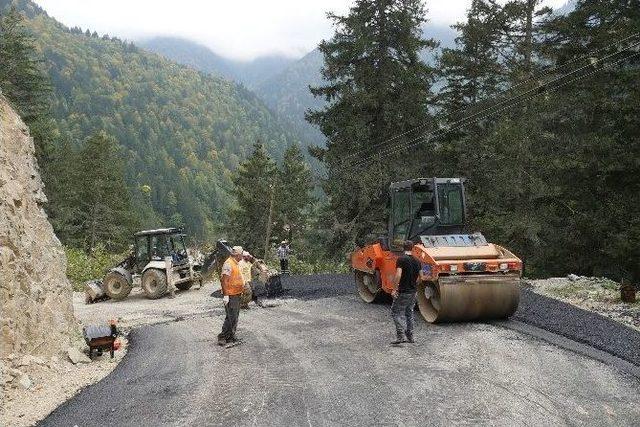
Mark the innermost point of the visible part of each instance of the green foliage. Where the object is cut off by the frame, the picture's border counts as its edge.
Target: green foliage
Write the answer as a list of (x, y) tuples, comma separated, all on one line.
[(181, 131), (25, 84), (288, 94), (293, 195), (554, 179), (377, 87), (90, 202), (317, 266), (21, 77), (264, 191), (82, 267), (255, 183)]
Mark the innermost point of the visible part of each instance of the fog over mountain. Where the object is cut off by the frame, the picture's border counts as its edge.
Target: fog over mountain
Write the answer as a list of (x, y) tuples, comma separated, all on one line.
[(283, 83)]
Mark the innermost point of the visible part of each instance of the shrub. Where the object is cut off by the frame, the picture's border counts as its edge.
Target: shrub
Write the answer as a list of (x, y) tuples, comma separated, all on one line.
[(82, 267), (300, 266)]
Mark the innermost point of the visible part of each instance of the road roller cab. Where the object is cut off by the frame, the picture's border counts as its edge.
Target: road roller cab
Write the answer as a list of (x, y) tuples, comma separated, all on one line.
[(468, 278)]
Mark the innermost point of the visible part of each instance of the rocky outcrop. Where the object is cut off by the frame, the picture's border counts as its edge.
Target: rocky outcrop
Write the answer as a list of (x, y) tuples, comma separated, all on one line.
[(36, 311)]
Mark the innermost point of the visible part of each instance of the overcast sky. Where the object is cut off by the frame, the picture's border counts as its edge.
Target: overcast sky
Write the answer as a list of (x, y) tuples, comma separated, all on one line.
[(239, 29)]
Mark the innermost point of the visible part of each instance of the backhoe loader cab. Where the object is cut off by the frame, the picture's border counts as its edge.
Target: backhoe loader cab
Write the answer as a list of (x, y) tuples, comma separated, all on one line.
[(156, 245), (158, 262), (467, 278)]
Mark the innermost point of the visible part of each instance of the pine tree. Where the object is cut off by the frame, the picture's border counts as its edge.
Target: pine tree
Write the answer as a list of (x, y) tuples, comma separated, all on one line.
[(293, 196), (104, 212), (594, 171), (21, 77), (255, 183), (377, 88)]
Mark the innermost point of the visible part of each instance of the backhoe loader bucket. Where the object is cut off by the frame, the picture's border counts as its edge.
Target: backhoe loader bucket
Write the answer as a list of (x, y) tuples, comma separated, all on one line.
[(469, 297)]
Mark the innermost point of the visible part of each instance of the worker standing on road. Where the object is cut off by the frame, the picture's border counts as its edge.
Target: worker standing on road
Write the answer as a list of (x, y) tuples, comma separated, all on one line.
[(404, 294), (283, 254), (232, 286)]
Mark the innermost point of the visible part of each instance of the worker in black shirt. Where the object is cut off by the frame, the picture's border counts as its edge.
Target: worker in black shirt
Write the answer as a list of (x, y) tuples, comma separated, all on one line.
[(404, 294)]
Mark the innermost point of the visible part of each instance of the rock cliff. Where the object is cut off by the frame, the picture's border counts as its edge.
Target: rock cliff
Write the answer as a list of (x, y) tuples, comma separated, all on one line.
[(36, 311)]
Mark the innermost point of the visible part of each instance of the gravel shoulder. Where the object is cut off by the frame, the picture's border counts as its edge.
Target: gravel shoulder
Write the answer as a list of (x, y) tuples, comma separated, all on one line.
[(596, 294), (55, 380), (320, 356)]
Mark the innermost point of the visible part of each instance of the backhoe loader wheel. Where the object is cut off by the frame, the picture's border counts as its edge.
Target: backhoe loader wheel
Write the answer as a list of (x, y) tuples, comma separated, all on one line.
[(116, 286), (185, 286), (154, 283), (368, 286)]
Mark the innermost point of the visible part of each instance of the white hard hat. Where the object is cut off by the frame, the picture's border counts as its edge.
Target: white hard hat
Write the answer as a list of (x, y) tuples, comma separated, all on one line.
[(237, 250), (245, 253)]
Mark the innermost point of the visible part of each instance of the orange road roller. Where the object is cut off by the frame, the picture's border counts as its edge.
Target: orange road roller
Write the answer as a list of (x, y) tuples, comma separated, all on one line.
[(467, 278)]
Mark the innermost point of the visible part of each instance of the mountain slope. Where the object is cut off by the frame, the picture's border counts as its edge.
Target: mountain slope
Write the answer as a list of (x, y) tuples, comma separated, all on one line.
[(288, 92), (201, 58), (182, 131)]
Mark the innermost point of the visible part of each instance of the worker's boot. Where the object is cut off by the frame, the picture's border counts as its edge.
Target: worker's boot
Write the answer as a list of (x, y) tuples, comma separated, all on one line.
[(410, 337), (222, 340), (399, 340)]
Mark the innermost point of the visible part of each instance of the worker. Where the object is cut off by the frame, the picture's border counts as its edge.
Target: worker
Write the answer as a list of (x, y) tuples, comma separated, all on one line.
[(283, 254), (404, 294), (245, 269), (232, 285)]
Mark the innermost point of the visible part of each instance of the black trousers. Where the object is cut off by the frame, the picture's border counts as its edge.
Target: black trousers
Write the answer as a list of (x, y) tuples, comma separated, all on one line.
[(231, 319), (284, 265), (402, 314)]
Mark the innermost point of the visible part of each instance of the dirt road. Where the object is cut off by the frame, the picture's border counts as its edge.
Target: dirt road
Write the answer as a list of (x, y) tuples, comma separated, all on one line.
[(323, 359)]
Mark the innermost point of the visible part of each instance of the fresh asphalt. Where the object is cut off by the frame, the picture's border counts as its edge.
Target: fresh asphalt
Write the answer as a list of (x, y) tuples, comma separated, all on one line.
[(319, 356)]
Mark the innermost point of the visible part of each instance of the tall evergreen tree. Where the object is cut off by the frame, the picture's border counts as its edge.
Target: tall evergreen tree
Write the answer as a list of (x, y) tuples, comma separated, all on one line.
[(294, 191), (104, 212), (595, 171), (25, 84), (21, 77), (255, 183), (499, 46), (377, 88)]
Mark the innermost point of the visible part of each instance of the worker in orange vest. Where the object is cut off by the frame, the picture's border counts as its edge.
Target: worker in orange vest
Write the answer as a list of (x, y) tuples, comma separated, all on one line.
[(232, 286)]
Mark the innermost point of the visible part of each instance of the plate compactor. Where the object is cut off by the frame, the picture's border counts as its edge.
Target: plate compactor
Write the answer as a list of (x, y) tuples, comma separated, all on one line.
[(468, 278)]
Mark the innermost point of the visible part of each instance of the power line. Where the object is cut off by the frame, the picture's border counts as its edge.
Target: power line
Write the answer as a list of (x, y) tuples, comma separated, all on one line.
[(509, 89), (465, 121)]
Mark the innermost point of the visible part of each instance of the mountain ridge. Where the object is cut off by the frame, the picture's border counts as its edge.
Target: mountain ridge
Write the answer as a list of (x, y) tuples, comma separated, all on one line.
[(183, 132), (202, 58)]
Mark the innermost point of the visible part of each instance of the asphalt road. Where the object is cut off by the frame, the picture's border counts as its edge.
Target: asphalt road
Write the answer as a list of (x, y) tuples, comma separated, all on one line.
[(322, 357)]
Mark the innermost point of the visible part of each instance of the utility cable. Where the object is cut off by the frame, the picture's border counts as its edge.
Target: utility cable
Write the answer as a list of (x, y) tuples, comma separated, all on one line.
[(542, 74), (540, 89)]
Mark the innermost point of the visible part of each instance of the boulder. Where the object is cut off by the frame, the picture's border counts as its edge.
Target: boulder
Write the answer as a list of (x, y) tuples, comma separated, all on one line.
[(23, 382), (76, 356)]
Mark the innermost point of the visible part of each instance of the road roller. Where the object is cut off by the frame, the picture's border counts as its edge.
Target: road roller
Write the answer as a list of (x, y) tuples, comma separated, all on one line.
[(465, 278)]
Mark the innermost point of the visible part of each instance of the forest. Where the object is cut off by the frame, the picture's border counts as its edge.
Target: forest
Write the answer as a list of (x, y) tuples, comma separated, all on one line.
[(537, 109), (180, 133)]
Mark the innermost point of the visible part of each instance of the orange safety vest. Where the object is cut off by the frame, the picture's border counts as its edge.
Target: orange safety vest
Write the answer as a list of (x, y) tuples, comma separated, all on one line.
[(235, 283)]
